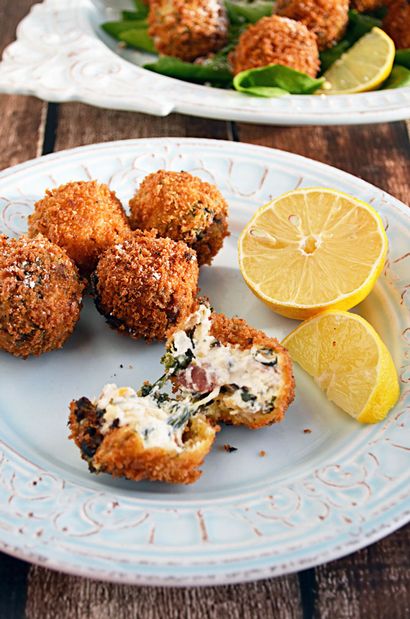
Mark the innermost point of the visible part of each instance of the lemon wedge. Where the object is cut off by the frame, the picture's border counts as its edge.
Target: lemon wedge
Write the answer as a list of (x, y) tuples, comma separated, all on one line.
[(349, 362), (312, 249), (364, 67)]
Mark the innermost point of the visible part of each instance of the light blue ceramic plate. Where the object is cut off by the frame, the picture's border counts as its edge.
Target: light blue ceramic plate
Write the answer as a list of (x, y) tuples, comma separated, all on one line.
[(314, 497)]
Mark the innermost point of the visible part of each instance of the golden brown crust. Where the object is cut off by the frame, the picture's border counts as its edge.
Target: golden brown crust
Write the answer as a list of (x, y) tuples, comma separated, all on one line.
[(364, 6), (40, 296), (183, 208), (327, 19), (188, 29), (277, 40), (397, 23), (85, 218), (146, 285), (121, 452), (237, 332)]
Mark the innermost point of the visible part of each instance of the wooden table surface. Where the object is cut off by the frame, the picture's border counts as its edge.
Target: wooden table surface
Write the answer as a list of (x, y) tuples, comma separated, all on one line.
[(373, 583)]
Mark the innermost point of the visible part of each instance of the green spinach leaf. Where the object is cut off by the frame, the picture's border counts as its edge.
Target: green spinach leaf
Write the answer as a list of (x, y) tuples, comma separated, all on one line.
[(403, 58), (399, 78), (275, 81), (215, 72), (241, 11), (138, 38), (116, 28)]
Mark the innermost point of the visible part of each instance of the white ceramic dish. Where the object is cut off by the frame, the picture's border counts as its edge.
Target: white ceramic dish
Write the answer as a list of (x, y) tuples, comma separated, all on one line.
[(61, 55), (313, 498)]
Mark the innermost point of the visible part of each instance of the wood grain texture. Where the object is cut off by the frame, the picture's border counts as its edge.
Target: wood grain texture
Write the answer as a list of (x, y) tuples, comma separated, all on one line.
[(377, 153), (79, 124), (52, 596), (374, 582), (22, 118)]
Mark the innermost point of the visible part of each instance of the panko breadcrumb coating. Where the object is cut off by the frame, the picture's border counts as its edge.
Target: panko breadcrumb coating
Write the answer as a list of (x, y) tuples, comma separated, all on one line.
[(397, 23), (248, 373), (146, 285), (364, 6), (40, 296), (188, 29), (85, 218), (121, 451), (183, 208), (277, 40), (327, 19)]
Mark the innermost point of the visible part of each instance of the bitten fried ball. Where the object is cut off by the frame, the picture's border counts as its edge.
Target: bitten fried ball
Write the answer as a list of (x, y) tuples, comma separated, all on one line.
[(327, 19), (184, 208), (277, 40), (85, 218), (188, 29), (397, 23), (146, 285), (364, 6), (246, 375), (40, 296), (135, 437)]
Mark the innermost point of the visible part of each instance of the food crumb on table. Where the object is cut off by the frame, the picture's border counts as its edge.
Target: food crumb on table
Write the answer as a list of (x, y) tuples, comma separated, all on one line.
[(229, 448)]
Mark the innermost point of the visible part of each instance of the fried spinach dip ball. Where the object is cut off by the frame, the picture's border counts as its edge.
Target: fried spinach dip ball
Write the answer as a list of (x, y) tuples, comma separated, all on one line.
[(136, 436), (183, 208), (40, 296), (246, 375), (327, 19), (85, 218), (188, 29), (276, 40), (397, 23), (146, 285), (221, 369)]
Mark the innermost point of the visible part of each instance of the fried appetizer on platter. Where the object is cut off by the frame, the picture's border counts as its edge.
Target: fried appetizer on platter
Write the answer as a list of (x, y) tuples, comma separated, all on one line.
[(85, 218), (188, 29), (246, 375), (40, 296), (277, 40), (397, 22), (183, 208), (146, 285), (327, 19), (140, 437)]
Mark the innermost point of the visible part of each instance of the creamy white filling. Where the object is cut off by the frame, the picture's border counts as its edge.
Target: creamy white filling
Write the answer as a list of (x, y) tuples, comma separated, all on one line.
[(141, 414), (253, 376), (159, 425)]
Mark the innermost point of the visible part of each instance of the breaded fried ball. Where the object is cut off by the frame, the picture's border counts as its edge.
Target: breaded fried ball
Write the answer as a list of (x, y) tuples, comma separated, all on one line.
[(248, 374), (188, 29), (146, 285), (142, 442), (327, 19), (364, 6), (40, 296), (184, 208), (397, 23), (277, 40), (85, 218)]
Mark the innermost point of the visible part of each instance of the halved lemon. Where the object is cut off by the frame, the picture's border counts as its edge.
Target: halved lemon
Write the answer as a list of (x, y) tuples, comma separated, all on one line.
[(349, 362), (364, 67), (312, 249)]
